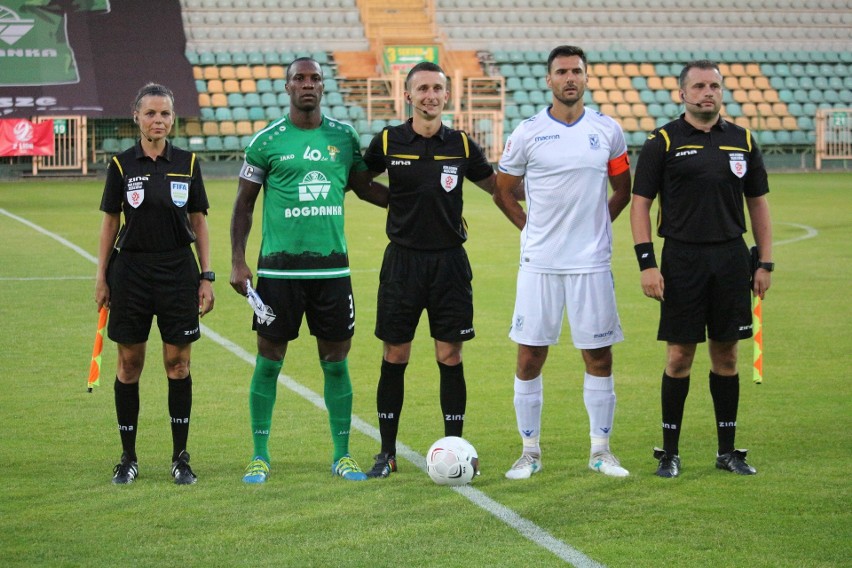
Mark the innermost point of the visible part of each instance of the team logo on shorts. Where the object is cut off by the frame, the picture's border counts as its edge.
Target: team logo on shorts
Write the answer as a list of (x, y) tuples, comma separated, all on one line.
[(519, 322), (449, 178), (738, 165), (180, 193), (594, 141)]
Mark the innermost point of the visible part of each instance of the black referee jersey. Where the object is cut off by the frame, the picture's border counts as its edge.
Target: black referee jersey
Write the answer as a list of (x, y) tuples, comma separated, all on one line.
[(156, 198), (425, 181), (700, 178)]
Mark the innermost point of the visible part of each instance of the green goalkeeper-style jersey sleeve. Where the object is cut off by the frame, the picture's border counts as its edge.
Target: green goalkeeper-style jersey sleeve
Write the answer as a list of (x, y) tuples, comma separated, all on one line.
[(34, 46)]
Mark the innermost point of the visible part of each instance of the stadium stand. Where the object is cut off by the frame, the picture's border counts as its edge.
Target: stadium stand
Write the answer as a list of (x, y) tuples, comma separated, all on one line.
[(792, 57)]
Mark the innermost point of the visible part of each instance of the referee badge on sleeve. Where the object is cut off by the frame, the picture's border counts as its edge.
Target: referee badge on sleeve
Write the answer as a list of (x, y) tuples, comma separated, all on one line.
[(180, 193), (449, 178), (738, 165)]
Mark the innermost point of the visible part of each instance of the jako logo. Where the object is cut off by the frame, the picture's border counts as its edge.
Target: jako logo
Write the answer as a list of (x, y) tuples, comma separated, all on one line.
[(546, 138)]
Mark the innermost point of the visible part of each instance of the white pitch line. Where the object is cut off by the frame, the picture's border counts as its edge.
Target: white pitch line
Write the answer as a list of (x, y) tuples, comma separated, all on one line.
[(525, 527), (810, 233)]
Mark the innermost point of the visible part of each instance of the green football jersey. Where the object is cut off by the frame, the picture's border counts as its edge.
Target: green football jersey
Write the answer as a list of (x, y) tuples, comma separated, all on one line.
[(306, 175), (34, 48)]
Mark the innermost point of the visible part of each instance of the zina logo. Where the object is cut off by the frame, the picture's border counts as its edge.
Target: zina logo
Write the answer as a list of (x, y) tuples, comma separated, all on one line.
[(314, 185), (12, 26)]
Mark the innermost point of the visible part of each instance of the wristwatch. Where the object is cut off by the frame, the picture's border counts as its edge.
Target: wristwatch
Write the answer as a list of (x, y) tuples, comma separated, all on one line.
[(210, 275), (767, 266)]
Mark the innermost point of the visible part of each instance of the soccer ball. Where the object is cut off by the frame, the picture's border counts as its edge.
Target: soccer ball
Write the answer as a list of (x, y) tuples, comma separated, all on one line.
[(452, 461)]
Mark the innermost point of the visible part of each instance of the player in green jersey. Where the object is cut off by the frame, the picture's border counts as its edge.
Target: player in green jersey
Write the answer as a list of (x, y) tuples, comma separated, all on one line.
[(304, 162)]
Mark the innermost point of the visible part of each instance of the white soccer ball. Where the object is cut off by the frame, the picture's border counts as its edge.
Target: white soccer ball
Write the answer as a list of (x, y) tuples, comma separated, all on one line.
[(452, 461)]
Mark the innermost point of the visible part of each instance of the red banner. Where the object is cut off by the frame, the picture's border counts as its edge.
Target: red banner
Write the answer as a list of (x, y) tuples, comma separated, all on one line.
[(20, 137)]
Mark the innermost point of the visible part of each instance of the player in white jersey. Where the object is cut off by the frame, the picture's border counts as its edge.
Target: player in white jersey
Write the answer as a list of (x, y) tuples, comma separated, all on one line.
[(565, 155)]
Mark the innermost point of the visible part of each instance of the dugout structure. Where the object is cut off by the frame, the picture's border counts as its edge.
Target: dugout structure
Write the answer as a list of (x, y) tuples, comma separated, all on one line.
[(833, 135)]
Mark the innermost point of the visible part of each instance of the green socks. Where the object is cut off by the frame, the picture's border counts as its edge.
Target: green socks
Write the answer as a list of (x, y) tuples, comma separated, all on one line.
[(338, 401), (264, 383)]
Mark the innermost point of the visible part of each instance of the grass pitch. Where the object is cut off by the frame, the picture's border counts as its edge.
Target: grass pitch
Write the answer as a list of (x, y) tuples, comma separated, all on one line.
[(59, 444)]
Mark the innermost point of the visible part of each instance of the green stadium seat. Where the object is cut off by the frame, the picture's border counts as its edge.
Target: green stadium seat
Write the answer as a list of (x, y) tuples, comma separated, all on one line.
[(512, 111), (529, 84), (279, 85), (283, 99), (798, 137), (766, 138), (201, 85), (214, 144), (537, 98), (639, 83), (330, 84), (240, 113), (264, 86), (527, 110), (795, 109), (192, 57), (647, 97), (235, 100), (126, 142), (365, 139), (207, 113), (637, 138), (251, 99), (180, 142), (231, 143), (111, 145), (255, 58), (239, 58), (207, 58), (272, 58), (223, 113), (224, 58), (356, 112), (339, 112), (245, 140), (268, 99), (333, 99), (273, 112), (776, 82), (521, 97), (671, 110), (196, 144), (256, 113)]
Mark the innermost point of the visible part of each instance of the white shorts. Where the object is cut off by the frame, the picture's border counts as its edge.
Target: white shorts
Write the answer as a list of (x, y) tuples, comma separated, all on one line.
[(589, 299)]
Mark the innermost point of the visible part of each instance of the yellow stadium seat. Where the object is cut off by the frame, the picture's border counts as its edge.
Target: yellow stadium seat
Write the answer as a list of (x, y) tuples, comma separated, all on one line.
[(655, 83), (647, 70), (259, 72), (258, 125), (755, 96), (608, 83), (204, 99), (762, 83), (616, 69), (623, 111), (764, 109), (248, 86), (632, 70), (210, 72), (743, 121), (740, 96), (616, 96), (244, 127), (197, 72), (231, 86), (780, 109), (675, 96), (192, 128), (629, 124), (594, 83), (746, 83), (738, 69), (227, 72), (771, 96), (631, 96), (215, 86), (608, 109), (600, 97), (600, 70), (623, 82), (218, 100), (772, 123), (752, 70), (210, 128), (749, 109), (639, 109), (227, 128), (670, 83), (725, 69), (731, 82), (277, 72), (243, 72), (789, 123), (647, 123)]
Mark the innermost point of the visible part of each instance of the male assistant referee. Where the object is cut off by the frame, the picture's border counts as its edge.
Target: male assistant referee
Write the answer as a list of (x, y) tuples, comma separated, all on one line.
[(701, 167)]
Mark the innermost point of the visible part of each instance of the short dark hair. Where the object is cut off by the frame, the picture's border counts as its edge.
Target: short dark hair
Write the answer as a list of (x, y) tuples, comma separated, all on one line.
[(697, 64), (422, 66), (299, 60), (567, 51), (154, 89)]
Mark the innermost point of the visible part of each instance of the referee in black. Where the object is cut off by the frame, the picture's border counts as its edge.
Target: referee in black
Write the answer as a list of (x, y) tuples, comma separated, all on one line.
[(702, 167), (425, 265), (147, 269)]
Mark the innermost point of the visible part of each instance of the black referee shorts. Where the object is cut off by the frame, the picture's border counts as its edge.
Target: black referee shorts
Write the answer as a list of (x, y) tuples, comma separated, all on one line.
[(706, 286), (326, 303), (437, 281), (147, 284)]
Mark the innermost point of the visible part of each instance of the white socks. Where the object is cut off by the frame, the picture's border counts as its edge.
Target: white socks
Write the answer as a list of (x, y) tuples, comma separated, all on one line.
[(528, 400), (599, 396)]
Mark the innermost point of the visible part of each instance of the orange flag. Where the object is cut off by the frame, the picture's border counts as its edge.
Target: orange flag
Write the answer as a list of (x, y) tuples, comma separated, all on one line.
[(757, 327), (95, 367)]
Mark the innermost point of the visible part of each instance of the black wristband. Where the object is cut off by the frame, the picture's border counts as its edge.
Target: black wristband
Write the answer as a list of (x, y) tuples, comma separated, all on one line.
[(645, 255)]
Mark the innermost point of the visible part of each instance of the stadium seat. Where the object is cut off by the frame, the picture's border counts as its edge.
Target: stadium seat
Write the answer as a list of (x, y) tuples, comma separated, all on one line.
[(126, 143), (111, 146), (210, 128), (231, 143), (214, 144)]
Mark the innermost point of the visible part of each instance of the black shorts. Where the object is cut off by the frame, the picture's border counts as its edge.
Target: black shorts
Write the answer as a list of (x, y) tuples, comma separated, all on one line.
[(147, 284), (437, 281), (326, 303), (706, 286)]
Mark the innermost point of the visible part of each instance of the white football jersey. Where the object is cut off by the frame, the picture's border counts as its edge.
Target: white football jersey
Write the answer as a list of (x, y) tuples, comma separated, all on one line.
[(565, 167)]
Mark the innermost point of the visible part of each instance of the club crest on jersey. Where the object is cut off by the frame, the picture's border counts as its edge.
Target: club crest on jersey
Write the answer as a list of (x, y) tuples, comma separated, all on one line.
[(594, 141), (449, 178), (314, 186), (180, 193), (738, 164)]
